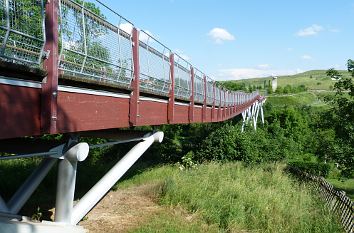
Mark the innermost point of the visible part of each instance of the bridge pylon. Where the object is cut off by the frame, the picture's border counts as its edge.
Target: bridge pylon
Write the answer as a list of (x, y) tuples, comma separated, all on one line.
[(68, 214), (251, 114)]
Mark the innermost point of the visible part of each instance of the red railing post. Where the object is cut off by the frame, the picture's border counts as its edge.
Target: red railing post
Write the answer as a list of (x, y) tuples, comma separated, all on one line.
[(224, 115), (213, 109), (135, 85), (220, 106), (228, 104), (49, 106), (171, 102), (204, 112), (191, 103)]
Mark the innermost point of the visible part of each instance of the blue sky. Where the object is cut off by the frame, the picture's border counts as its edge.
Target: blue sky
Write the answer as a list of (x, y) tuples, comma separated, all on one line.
[(234, 39)]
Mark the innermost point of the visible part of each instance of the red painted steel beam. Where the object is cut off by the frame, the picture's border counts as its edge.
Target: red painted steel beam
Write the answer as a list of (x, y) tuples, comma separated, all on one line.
[(220, 106), (224, 106), (191, 103), (204, 112), (171, 101), (135, 85), (49, 105)]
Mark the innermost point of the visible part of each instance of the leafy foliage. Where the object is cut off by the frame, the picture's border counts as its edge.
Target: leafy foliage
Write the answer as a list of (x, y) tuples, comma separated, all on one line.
[(351, 66), (334, 74), (338, 123), (314, 168)]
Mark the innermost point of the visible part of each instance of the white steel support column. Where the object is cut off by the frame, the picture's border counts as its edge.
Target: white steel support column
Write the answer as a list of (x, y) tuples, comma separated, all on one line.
[(93, 196), (3, 206), (66, 182), (243, 121), (252, 113)]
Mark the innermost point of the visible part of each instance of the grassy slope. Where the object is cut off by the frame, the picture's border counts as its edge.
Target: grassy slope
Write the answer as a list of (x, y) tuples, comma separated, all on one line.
[(304, 98), (319, 80), (346, 185), (233, 198)]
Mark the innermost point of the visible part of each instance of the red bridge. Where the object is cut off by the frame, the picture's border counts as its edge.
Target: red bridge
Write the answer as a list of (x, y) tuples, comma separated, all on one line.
[(93, 71), (83, 73)]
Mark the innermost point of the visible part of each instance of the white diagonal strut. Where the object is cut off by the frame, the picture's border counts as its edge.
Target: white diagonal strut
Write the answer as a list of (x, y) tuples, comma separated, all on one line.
[(251, 114)]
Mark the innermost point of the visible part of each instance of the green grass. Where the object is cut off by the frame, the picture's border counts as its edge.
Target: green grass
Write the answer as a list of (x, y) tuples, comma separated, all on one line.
[(298, 99), (171, 221), (312, 99), (347, 185), (235, 198), (314, 80)]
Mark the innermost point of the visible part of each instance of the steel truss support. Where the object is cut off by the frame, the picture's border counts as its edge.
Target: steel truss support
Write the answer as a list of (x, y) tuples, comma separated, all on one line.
[(66, 214), (250, 115), (92, 197)]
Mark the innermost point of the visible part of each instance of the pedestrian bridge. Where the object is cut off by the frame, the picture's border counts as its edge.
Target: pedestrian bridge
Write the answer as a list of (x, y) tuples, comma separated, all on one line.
[(79, 68)]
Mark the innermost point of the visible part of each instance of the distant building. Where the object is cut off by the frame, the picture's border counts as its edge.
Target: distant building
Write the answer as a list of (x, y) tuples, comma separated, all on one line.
[(274, 83)]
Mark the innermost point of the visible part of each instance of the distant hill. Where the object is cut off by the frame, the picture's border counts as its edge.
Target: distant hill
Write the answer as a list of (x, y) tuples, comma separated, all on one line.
[(313, 80)]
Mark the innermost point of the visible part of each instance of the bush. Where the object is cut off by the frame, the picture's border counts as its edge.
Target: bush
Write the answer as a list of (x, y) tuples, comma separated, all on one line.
[(314, 168)]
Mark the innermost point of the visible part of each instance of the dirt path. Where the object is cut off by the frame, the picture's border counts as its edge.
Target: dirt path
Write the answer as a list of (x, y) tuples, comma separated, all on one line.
[(122, 210)]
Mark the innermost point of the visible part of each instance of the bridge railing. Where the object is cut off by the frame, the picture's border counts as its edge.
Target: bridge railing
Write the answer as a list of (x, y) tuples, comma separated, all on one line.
[(96, 44), (22, 31), (93, 47)]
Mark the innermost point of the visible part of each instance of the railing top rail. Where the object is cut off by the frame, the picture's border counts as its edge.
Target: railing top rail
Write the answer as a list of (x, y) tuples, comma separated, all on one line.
[(113, 11)]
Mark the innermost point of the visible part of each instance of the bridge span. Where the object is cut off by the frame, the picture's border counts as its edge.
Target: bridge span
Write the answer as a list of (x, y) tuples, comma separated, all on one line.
[(79, 68)]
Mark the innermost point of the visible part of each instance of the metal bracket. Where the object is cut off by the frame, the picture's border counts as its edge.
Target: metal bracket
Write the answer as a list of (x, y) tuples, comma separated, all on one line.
[(46, 54)]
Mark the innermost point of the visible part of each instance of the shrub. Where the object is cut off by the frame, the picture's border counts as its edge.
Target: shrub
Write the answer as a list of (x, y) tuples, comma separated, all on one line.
[(314, 168)]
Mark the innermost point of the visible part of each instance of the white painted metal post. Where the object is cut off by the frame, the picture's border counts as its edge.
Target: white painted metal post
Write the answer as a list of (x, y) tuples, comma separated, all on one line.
[(66, 182), (65, 190), (262, 114), (243, 121), (93, 196), (3, 206), (26, 190)]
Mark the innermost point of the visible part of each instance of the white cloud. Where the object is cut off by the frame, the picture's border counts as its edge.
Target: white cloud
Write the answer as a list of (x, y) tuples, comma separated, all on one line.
[(182, 55), (310, 31), (290, 49), (306, 57), (145, 35), (247, 73), (127, 27), (220, 35), (263, 66)]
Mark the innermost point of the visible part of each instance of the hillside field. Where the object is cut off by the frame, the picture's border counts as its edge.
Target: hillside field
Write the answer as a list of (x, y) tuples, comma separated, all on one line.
[(313, 80)]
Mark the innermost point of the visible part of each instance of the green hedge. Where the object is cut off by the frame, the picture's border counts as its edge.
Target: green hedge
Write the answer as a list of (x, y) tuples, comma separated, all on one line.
[(314, 168)]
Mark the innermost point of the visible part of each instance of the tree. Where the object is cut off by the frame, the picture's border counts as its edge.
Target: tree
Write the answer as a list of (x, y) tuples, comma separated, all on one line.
[(340, 118), (333, 74), (351, 66)]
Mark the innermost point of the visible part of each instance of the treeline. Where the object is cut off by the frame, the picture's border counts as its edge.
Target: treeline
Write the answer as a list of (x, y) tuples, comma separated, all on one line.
[(267, 86), (293, 134)]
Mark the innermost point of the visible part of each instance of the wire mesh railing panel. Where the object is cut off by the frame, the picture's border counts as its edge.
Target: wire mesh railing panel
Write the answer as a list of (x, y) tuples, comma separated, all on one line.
[(210, 91), (217, 96), (22, 33), (154, 65), (95, 43), (227, 99), (222, 98), (198, 86), (182, 79)]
